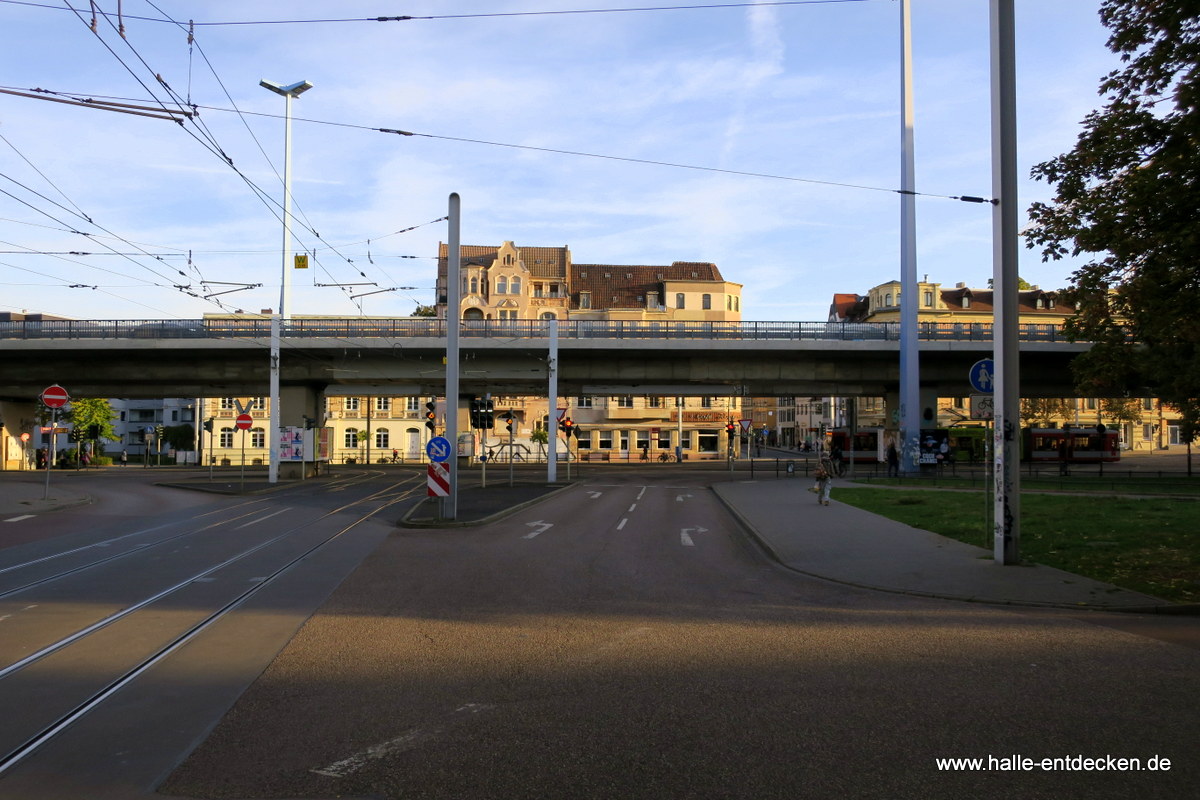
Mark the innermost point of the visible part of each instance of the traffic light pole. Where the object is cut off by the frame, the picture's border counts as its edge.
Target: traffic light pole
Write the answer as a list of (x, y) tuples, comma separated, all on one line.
[(453, 312)]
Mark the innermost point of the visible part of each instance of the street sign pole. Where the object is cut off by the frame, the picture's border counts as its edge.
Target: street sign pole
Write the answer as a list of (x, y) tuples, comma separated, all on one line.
[(50, 449), (453, 318)]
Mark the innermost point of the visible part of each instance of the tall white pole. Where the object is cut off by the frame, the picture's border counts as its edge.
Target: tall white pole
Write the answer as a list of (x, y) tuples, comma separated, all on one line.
[(273, 422), (1007, 504), (552, 402), (453, 314), (285, 286), (910, 370)]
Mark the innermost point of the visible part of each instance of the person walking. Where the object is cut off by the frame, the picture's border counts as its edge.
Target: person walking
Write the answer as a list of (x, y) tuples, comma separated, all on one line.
[(124, 457), (893, 461), (824, 483)]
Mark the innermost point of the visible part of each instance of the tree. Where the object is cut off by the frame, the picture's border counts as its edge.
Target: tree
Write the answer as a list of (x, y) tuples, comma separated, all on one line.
[(1127, 196), (1022, 284), (1045, 411), (85, 412), (425, 311)]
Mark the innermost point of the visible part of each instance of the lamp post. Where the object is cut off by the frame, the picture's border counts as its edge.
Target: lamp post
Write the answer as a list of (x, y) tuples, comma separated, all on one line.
[(285, 287)]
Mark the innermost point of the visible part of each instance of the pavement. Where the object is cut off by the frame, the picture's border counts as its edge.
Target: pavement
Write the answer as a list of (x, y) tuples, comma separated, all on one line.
[(850, 546)]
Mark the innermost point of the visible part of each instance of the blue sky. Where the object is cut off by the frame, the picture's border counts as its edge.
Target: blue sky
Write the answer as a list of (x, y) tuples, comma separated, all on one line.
[(809, 93)]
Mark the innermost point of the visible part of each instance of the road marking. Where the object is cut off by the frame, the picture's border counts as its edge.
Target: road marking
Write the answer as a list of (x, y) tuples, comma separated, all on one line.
[(679, 498), (405, 741), (260, 519), (594, 495), (18, 519), (541, 526), (631, 508), (642, 492), (621, 524), (685, 537)]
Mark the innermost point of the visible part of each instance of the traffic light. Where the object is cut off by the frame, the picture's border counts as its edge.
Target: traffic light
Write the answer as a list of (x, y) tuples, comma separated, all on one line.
[(508, 418), (208, 425), (476, 413), (489, 414), (76, 435), (730, 429), (158, 431), (93, 432), (575, 431), (431, 415), (565, 425)]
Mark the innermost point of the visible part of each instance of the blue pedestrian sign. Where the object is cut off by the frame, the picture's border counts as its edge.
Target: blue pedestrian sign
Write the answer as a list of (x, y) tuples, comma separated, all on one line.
[(983, 376), (438, 449)]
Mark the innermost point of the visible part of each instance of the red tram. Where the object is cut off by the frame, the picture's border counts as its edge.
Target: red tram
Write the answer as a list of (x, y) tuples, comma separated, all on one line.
[(866, 447), (1073, 445)]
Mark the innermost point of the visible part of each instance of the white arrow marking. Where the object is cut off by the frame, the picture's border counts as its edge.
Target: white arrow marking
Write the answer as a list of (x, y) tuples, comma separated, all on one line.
[(541, 526), (679, 498), (18, 519), (686, 539), (594, 495)]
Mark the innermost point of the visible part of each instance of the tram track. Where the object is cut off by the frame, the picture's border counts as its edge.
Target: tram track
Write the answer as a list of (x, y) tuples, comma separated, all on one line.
[(119, 648)]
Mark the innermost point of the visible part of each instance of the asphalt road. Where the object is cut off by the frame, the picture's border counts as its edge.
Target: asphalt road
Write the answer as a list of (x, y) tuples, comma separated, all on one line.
[(622, 639)]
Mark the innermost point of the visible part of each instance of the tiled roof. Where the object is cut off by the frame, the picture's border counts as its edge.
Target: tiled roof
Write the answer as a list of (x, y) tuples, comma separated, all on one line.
[(625, 286), (847, 306), (542, 262)]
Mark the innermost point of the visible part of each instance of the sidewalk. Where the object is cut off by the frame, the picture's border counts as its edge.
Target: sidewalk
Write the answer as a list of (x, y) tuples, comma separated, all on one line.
[(845, 544), (24, 493)]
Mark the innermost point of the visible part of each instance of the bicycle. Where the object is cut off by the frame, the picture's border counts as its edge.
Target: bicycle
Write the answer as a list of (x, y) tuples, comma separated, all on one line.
[(666, 458)]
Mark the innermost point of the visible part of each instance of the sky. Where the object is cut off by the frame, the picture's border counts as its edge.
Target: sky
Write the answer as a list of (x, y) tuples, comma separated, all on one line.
[(805, 96)]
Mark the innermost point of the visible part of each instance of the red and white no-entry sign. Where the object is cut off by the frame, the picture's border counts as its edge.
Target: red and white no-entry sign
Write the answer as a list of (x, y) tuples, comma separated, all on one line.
[(55, 396), (243, 422), (439, 479)]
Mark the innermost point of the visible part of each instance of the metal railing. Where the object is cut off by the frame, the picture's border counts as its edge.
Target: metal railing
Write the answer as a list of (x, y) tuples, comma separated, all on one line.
[(420, 327)]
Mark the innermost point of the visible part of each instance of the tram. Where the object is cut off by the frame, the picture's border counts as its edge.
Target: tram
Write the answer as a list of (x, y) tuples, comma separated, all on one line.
[(1073, 445), (867, 446)]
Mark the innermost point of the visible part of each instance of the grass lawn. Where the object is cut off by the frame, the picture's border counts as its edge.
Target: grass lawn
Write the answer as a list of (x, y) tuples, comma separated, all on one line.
[(1150, 545)]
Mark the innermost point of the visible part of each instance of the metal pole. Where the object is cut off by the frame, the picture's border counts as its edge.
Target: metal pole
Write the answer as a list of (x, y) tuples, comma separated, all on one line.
[(552, 395), (453, 313), (1007, 523), (273, 417), (50, 450), (910, 370), (285, 286)]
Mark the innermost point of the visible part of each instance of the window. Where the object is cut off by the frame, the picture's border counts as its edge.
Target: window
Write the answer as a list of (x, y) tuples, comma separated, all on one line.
[(502, 285), (583, 402), (1090, 404), (654, 402), (508, 314), (466, 285), (928, 299), (706, 402), (1041, 303), (258, 404), (258, 437), (412, 404), (966, 301), (1147, 431), (474, 285), (729, 302), (537, 290), (554, 290), (1148, 404), (226, 437), (625, 401), (508, 259), (226, 403), (585, 299), (679, 300), (548, 315), (514, 287), (706, 302), (350, 404), (351, 438), (887, 299), (382, 438), (606, 440), (737, 303), (383, 404)]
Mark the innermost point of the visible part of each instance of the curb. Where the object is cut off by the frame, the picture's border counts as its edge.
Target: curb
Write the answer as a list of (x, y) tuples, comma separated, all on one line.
[(1181, 609), (407, 521)]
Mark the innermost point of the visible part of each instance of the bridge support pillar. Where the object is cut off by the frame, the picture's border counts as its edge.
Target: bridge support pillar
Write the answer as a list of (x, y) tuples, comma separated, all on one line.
[(17, 418), (296, 403), (928, 415)]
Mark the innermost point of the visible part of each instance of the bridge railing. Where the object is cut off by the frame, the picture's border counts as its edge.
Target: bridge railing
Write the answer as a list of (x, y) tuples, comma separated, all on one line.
[(428, 327)]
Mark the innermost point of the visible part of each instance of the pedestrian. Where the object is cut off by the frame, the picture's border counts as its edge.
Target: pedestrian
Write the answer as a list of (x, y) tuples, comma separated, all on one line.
[(824, 483), (124, 457), (893, 461), (86, 459), (395, 456)]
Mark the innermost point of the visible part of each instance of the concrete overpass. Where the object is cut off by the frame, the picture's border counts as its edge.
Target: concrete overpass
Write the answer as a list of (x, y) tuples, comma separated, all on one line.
[(222, 357)]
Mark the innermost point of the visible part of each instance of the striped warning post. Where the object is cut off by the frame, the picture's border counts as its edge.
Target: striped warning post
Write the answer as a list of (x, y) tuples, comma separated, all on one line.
[(439, 479)]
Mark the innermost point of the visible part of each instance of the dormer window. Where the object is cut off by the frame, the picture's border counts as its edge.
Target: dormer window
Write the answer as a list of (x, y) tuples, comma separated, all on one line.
[(1041, 303), (585, 299), (928, 296), (966, 301)]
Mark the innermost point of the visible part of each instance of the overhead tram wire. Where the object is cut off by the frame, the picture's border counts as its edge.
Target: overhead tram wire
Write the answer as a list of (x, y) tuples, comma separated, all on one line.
[(442, 17)]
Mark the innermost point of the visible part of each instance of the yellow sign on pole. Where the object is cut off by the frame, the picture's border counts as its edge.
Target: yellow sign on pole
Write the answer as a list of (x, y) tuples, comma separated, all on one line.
[(301, 261)]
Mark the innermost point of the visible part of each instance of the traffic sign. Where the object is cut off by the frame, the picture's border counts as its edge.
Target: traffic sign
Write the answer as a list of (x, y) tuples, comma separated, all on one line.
[(983, 376), (982, 407), (438, 481), (243, 422), (438, 449), (745, 423), (55, 396)]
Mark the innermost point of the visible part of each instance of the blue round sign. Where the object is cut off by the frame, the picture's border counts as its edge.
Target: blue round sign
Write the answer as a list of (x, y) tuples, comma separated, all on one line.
[(983, 376), (438, 448)]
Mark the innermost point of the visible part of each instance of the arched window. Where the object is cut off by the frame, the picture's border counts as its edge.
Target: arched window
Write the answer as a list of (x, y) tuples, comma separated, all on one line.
[(887, 299), (472, 313), (502, 285), (258, 437), (226, 437), (382, 438), (474, 285), (351, 438), (466, 285), (515, 286), (548, 315)]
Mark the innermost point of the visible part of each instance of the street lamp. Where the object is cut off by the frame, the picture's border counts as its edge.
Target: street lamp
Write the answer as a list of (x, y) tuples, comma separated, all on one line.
[(290, 91), (285, 289)]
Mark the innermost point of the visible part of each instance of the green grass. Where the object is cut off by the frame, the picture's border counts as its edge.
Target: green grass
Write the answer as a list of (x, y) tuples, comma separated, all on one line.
[(1124, 484), (1146, 545)]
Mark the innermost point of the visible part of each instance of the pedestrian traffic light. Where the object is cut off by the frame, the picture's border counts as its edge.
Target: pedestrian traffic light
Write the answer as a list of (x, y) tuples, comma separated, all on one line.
[(730, 429)]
